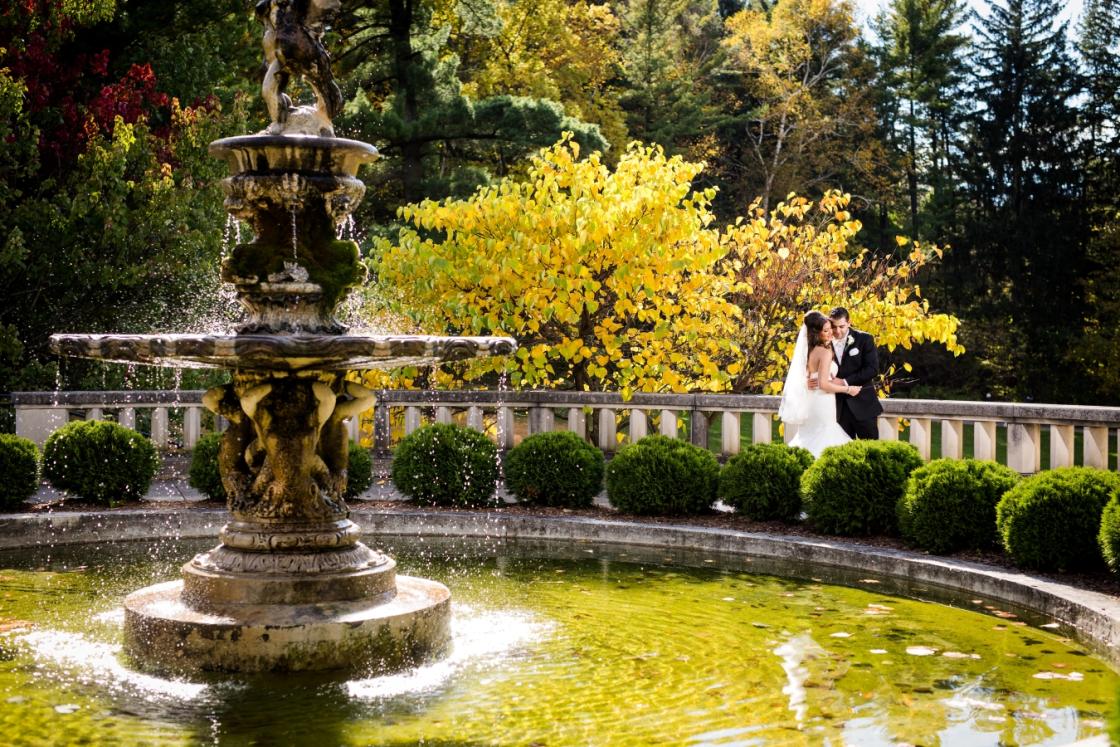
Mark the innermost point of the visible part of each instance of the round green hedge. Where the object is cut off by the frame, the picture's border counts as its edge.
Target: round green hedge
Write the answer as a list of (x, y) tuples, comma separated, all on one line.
[(19, 464), (359, 470), (1109, 536), (950, 504), (854, 489), (204, 475), (555, 469), (1052, 520), (100, 461), (661, 475), (763, 481), (447, 465)]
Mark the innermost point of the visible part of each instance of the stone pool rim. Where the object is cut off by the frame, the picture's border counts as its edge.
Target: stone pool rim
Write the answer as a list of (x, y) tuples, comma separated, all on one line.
[(1095, 616)]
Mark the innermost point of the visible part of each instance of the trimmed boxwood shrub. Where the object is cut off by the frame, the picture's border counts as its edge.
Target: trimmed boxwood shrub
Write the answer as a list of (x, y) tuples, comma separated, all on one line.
[(203, 475), (854, 489), (19, 465), (662, 475), (359, 470), (950, 504), (1109, 536), (763, 481), (447, 465), (100, 461), (555, 469), (1051, 521)]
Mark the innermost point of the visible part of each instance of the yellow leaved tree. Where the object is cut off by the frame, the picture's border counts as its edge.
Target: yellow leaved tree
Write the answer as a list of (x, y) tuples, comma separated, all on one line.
[(607, 277), (615, 279), (801, 256)]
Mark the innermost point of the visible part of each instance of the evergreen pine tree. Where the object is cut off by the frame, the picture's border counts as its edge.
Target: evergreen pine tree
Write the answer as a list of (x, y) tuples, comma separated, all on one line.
[(1014, 271)]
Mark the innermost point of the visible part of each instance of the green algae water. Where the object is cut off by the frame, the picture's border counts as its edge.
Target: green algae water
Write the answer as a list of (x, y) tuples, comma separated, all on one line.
[(565, 645)]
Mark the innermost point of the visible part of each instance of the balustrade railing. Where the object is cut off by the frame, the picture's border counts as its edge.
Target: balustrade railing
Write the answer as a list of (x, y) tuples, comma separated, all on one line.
[(1026, 437)]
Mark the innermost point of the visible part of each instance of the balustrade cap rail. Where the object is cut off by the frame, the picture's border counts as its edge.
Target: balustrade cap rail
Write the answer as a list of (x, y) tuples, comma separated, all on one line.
[(107, 398), (1011, 412)]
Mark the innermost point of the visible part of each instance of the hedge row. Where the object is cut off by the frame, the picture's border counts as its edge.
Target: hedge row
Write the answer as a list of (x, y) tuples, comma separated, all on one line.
[(1062, 519)]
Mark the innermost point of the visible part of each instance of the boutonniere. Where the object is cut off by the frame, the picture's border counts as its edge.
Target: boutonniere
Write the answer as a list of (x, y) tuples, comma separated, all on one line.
[(849, 340)]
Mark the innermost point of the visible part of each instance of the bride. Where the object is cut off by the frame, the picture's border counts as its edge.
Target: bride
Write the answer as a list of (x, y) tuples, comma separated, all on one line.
[(813, 411)]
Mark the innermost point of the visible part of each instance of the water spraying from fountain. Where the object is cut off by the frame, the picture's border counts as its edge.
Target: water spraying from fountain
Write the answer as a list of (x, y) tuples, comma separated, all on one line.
[(290, 587)]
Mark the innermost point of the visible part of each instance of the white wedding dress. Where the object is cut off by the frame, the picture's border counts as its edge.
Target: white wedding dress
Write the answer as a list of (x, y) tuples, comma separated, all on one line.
[(812, 412), (820, 429)]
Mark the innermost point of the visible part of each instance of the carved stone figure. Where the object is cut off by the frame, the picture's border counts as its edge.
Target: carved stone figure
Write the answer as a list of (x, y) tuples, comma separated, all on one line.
[(334, 443), (293, 45)]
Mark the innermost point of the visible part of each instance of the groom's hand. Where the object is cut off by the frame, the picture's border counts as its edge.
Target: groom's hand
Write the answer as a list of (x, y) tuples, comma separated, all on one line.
[(813, 383)]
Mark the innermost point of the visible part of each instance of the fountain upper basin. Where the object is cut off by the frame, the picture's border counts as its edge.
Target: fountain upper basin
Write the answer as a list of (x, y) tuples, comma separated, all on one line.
[(279, 352)]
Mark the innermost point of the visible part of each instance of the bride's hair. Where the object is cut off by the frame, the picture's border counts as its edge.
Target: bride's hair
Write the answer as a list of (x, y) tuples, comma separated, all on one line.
[(814, 324)]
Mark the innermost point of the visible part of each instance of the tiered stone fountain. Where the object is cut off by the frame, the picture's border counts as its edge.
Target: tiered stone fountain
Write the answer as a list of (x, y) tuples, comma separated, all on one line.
[(290, 587)]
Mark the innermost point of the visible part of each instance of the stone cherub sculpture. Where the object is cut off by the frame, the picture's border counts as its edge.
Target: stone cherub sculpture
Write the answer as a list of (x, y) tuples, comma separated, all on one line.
[(293, 45), (286, 450)]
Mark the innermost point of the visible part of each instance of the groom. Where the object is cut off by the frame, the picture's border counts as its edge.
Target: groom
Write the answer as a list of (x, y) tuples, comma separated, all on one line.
[(858, 365)]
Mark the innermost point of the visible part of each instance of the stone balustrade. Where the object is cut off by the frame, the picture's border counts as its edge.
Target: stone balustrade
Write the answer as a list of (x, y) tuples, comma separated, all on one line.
[(1026, 437)]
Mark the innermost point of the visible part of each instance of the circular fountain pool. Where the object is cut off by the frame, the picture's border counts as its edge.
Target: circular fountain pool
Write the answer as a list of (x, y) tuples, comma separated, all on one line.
[(565, 644)]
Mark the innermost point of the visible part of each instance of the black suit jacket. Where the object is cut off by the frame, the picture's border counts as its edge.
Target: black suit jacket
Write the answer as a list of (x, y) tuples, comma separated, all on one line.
[(859, 367)]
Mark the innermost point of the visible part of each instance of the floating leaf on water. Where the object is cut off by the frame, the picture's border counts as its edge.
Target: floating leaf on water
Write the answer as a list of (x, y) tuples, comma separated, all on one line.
[(1072, 676), (66, 708), (841, 634), (920, 650), (1051, 626), (760, 625), (977, 601), (959, 655), (869, 581), (728, 599), (878, 651)]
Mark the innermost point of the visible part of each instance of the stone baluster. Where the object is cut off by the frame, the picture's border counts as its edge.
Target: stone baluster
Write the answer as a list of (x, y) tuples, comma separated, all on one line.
[(94, 414), (921, 436), (505, 428), (443, 415), (411, 419), (382, 428), (1061, 446), (36, 423), (952, 439), (354, 428), (1095, 447), (729, 432), (888, 429), (541, 420), (789, 430), (159, 427), (192, 426), (639, 425), (984, 440), (127, 417), (668, 423), (698, 428), (1023, 447), (577, 421), (474, 418), (761, 431), (608, 430)]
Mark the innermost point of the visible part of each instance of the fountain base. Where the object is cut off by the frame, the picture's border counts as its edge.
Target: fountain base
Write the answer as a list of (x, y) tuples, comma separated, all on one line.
[(163, 632)]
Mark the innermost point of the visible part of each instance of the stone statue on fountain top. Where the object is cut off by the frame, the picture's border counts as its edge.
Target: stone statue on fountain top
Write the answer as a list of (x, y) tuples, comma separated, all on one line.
[(293, 45)]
